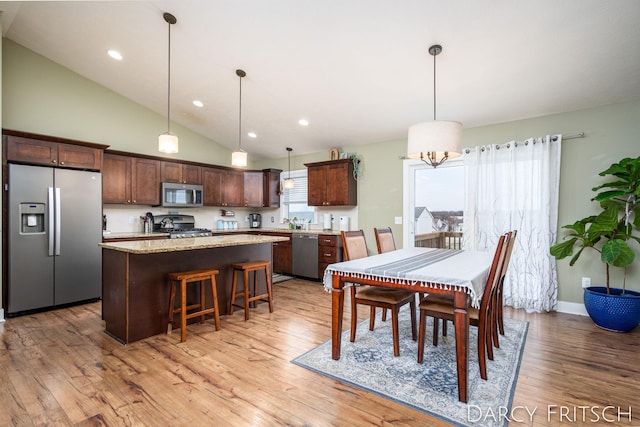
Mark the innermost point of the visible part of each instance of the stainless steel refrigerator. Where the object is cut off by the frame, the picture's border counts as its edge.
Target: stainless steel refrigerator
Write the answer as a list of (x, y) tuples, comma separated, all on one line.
[(55, 225)]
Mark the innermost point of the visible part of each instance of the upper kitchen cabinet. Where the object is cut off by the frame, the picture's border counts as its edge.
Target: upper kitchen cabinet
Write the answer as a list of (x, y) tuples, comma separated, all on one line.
[(222, 187), (271, 187), (130, 180), (331, 183), (253, 189), (181, 173), (31, 149)]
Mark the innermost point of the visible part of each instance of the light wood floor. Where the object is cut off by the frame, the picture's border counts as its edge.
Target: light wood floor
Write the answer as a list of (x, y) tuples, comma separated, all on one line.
[(60, 368)]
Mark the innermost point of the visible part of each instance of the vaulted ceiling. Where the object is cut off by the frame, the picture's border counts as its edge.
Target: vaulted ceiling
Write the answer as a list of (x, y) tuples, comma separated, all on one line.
[(358, 70)]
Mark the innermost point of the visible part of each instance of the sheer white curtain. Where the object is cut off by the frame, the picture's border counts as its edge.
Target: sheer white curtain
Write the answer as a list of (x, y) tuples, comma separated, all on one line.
[(515, 186)]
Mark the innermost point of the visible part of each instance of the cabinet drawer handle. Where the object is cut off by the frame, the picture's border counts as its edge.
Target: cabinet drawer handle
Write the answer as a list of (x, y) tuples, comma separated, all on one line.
[(327, 241), (327, 255), (54, 161)]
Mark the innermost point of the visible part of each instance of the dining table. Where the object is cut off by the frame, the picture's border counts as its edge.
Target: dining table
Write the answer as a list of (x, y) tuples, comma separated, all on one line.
[(459, 273)]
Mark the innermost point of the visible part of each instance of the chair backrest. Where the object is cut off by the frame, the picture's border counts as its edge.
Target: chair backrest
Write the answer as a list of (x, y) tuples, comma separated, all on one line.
[(494, 273), (384, 239), (507, 257), (354, 245)]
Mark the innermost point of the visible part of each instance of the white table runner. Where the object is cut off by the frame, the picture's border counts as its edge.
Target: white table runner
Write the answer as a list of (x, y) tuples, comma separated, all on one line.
[(442, 268)]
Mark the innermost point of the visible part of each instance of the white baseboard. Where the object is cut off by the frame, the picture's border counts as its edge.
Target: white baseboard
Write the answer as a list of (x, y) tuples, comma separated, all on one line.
[(1, 315), (572, 308)]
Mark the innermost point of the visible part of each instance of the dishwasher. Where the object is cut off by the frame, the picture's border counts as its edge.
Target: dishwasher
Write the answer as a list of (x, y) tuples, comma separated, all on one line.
[(304, 255)]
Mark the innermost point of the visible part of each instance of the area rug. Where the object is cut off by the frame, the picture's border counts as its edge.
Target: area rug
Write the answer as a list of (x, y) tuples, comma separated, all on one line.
[(432, 387)]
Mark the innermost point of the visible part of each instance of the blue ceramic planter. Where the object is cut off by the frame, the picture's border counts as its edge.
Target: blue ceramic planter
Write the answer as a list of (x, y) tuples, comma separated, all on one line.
[(615, 311)]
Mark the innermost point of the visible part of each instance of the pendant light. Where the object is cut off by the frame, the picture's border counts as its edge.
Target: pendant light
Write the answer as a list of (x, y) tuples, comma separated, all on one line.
[(288, 183), (168, 142), (436, 141), (239, 157)]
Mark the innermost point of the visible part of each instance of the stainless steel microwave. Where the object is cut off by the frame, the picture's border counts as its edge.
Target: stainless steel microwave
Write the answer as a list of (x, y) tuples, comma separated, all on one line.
[(176, 195)]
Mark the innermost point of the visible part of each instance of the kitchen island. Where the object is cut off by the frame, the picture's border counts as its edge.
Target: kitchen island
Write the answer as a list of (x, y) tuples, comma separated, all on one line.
[(135, 290)]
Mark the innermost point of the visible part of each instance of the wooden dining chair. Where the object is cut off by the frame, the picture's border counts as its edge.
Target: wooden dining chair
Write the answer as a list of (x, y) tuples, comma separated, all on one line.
[(384, 239), (355, 247), (498, 323), (385, 243), (481, 318)]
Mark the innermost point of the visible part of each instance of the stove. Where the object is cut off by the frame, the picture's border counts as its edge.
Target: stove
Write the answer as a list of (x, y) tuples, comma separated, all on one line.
[(191, 232), (179, 226)]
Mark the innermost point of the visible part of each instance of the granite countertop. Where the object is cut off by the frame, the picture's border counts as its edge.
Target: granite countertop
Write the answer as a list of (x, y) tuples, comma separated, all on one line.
[(188, 244)]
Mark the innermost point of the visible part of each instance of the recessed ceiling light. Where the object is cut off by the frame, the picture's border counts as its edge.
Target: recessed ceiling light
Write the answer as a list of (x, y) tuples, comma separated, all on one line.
[(198, 103), (252, 135), (115, 54), (303, 122)]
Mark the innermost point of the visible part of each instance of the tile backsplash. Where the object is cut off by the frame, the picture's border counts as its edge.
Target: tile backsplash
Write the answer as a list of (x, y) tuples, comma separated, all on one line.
[(126, 219)]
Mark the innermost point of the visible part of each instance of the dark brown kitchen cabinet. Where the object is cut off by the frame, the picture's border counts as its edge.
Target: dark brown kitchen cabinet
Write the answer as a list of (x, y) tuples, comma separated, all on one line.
[(253, 189), (281, 254), (271, 188), (232, 188), (130, 180), (331, 183), (181, 173), (222, 187), (212, 186), (329, 251), (42, 152)]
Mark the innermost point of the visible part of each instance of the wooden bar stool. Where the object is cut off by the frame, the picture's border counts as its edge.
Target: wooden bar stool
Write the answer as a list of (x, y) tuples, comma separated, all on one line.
[(182, 279), (247, 295)]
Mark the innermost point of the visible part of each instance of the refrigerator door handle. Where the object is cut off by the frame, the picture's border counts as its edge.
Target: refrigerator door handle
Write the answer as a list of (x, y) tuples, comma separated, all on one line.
[(51, 219), (57, 221)]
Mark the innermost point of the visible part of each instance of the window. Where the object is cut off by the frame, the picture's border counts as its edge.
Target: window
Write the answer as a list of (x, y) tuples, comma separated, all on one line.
[(434, 200), (294, 201)]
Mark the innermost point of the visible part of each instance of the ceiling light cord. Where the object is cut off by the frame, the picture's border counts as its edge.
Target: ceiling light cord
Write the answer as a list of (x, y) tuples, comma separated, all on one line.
[(434, 86), (240, 117), (169, 80)]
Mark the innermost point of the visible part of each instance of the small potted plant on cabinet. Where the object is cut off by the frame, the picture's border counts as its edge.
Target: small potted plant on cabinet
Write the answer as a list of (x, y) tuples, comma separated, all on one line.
[(613, 233)]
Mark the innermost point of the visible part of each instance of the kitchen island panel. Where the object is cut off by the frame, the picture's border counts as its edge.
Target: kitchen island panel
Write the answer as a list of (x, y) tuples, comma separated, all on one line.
[(136, 289)]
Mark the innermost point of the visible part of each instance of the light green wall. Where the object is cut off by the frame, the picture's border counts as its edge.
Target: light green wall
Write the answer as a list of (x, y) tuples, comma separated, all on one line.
[(46, 98), (42, 97)]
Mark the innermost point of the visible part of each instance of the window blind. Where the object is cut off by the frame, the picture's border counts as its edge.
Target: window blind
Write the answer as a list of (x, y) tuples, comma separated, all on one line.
[(298, 194)]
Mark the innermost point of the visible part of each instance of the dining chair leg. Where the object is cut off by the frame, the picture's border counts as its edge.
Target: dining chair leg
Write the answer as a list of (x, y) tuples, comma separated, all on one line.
[(482, 360), (412, 306), (421, 334), (495, 323), (372, 317), (396, 332), (436, 322), (444, 328), (494, 327), (354, 314), (499, 310), (384, 314)]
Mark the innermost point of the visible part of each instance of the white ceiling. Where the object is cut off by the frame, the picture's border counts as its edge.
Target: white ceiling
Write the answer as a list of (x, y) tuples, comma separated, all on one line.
[(358, 70)]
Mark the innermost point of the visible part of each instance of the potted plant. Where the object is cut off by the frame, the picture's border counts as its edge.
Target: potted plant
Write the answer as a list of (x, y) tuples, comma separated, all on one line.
[(613, 233)]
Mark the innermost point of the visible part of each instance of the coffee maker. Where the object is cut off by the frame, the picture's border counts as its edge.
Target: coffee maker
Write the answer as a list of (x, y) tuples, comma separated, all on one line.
[(255, 220)]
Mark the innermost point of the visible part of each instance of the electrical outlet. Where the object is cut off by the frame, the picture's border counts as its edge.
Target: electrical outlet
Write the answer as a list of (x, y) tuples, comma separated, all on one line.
[(398, 219), (273, 219), (586, 282)]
